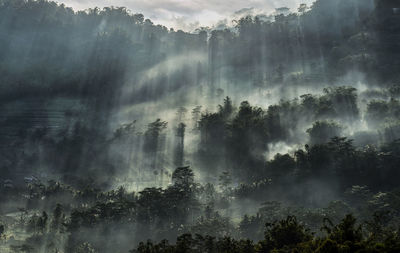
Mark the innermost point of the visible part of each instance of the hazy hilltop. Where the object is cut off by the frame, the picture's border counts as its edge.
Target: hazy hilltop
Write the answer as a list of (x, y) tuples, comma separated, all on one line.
[(114, 130)]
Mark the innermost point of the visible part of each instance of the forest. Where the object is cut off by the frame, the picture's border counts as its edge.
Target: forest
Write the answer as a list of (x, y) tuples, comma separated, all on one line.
[(277, 132)]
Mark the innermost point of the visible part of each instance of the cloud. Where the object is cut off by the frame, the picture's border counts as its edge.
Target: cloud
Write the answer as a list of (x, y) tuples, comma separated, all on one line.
[(187, 14)]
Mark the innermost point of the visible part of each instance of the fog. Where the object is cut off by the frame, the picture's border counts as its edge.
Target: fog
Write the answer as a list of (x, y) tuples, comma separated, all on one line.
[(115, 130), (189, 15)]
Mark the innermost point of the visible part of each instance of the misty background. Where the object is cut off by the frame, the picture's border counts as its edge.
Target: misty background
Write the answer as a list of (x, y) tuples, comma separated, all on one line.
[(263, 109), (189, 15)]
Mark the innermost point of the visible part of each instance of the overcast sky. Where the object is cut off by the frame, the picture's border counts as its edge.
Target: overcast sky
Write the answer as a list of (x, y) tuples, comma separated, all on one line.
[(188, 14)]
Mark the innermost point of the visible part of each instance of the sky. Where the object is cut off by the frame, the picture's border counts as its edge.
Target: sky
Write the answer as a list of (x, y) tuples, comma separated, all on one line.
[(190, 14)]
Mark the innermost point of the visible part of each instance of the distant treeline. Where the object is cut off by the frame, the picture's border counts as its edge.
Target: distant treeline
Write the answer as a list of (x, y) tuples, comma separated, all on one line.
[(288, 235), (46, 48)]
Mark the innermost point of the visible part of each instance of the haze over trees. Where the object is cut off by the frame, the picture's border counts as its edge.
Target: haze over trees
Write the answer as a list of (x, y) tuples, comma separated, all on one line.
[(278, 133)]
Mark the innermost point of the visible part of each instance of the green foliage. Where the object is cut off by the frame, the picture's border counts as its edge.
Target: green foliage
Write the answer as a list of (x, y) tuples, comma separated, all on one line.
[(322, 131), (282, 236), (91, 55), (2, 230), (125, 130), (344, 100), (155, 128), (183, 176), (286, 233), (281, 166), (213, 224)]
